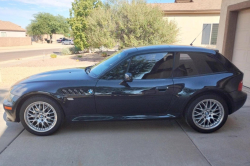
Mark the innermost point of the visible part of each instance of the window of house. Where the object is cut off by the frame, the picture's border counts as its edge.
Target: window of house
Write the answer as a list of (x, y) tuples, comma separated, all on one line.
[(3, 34), (195, 63), (209, 34), (152, 66), (214, 34)]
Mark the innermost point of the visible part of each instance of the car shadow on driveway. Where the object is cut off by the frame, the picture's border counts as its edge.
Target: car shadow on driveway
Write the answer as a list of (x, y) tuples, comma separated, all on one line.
[(118, 126)]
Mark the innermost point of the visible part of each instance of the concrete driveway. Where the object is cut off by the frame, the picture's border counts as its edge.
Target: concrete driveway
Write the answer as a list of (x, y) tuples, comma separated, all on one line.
[(153, 143)]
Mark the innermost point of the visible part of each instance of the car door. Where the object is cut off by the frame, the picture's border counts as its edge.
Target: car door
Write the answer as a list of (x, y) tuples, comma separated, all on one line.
[(150, 92)]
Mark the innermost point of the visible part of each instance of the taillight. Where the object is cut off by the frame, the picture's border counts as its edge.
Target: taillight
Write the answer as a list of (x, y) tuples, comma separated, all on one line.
[(240, 86)]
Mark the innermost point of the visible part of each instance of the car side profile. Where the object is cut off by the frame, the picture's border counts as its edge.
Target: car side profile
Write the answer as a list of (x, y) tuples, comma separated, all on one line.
[(68, 42), (61, 40), (151, 82)]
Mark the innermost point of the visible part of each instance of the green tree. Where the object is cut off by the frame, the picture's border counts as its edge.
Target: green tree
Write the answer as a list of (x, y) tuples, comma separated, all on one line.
[(138, 24), (101, 29), (46, 23), (78, 15), (130, 23)]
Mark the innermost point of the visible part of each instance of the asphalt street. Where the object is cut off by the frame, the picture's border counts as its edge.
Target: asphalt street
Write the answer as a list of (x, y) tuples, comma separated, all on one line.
[(123, 143), (5, 56)]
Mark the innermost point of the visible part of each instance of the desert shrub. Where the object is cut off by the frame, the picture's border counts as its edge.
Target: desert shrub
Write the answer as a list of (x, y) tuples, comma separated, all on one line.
[(53, 55), (79, 56), (74, 50), (66, 51), (104, 54)]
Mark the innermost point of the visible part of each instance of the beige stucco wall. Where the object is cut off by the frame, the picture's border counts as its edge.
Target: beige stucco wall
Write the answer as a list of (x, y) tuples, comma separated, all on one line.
[(191, 25), (14, 41), (54, 36), (41, 39), (14, 34), (241, 54), (224, 6)]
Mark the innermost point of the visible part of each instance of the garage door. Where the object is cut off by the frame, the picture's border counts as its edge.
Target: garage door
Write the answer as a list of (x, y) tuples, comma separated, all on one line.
[(241, 54)]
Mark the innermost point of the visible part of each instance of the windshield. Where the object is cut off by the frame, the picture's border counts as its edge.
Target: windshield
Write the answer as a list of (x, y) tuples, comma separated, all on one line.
[(108, 62)]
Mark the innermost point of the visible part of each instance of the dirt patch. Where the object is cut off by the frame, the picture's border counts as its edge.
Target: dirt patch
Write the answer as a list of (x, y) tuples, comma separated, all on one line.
[(13, 71)]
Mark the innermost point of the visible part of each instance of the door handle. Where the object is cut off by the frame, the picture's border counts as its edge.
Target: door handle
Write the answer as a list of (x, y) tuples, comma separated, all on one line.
[(161, 88)]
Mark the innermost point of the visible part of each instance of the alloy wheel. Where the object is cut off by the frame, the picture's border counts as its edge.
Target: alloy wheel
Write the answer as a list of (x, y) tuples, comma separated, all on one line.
[(40, 116), (208, 114)]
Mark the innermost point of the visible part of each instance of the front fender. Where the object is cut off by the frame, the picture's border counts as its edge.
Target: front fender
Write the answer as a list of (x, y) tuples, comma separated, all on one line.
[(17, 104)]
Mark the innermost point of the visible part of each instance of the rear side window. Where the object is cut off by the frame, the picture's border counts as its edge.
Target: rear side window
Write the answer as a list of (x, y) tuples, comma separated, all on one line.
[(152, 66), (195, 63)]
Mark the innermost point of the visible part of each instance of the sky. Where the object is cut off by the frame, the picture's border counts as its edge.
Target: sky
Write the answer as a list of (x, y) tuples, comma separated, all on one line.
[(21, 12)]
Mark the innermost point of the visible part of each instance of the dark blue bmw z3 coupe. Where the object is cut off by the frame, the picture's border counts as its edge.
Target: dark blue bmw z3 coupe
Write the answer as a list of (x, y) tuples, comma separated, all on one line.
[(152, 82)]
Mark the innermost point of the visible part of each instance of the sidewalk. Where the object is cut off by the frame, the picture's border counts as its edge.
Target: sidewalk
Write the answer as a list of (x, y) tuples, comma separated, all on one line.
[(34, 46)]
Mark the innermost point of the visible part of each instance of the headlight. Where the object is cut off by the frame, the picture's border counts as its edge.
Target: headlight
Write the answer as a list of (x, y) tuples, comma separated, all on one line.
[(10, 97)]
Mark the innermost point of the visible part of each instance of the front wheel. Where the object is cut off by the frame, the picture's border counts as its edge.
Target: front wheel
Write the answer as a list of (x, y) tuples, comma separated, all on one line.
[(207, 113), (41, 115)]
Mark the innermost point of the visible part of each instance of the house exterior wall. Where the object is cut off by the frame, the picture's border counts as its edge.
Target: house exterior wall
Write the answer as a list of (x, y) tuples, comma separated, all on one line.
[(241, 53), (54, 36), (234, 35), (43, 37), (223, 17), (14, 41), (191, 25), (13, 34)]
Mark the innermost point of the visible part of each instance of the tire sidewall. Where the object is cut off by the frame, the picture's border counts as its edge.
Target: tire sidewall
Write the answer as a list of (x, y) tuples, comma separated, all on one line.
[(49, 101), (189, 111)]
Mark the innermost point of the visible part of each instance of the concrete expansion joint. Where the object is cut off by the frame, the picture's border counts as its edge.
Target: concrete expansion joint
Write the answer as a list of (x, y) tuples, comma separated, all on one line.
[(12, 141)]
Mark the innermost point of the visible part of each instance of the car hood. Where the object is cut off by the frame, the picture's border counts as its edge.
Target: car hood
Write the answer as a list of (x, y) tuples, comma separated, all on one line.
[(58, 75)]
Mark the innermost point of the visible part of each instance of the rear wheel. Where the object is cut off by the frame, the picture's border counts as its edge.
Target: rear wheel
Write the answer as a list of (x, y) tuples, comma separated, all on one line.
[(207, 113), (41, 115)]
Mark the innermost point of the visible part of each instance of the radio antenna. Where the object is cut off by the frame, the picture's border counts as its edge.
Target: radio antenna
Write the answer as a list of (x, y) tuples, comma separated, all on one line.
[(198, 35)]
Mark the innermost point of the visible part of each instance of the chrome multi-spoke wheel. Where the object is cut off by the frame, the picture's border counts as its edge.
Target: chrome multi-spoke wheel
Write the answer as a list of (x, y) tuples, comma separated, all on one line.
[(208, 114), (40, 116)]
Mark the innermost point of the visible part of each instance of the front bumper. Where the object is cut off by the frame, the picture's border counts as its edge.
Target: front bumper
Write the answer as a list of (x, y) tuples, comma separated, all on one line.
[(11, 114)]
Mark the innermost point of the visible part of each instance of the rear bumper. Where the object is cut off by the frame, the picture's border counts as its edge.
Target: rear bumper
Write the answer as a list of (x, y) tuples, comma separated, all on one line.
[(239, 99)]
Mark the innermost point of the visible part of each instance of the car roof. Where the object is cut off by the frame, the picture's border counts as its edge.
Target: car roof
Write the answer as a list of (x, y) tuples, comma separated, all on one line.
[(174, 48)]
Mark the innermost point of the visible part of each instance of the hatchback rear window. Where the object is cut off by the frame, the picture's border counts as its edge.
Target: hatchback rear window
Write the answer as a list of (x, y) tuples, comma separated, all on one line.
[(195, 63)]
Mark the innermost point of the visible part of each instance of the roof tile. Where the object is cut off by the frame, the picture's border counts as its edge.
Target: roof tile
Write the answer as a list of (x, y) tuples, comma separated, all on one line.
[(9, 26), (200, 5)]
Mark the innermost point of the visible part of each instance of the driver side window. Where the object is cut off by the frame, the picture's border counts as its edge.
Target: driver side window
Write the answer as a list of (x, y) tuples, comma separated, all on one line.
[(118, 72), (152, 66)]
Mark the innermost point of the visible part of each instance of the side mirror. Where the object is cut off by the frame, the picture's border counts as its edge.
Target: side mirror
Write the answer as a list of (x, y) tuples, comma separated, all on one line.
[(128, 77)]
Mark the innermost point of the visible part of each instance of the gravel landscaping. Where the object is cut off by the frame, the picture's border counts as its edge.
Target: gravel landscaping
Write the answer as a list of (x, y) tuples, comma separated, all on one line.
[(14, 71)]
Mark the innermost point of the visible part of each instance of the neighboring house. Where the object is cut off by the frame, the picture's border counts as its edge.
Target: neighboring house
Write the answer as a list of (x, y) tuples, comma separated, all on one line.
[(12, 35), (234, 34), (191, 17), (9, 29)]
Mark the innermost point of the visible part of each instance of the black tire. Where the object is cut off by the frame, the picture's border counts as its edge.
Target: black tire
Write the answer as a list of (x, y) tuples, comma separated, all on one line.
[(49, 101), (206, 129)]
